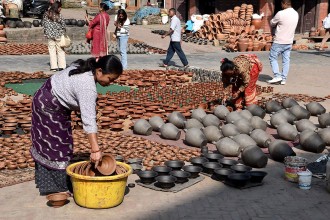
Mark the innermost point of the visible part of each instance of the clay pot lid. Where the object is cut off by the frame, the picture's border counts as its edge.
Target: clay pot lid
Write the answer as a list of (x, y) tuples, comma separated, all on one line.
[(108, 165), (9, 125), (57, 199)]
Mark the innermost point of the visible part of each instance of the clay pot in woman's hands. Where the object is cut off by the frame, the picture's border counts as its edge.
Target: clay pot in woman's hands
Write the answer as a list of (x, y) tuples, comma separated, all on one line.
[(170, 131), (198, 114), (227, 147), (211, 119), (315, 108), (287, 132), (311, 141), (221, 111), (212, 133), (156, 123), (261, 137), (254, 157), (177, 119), (193, 123), (195, 137), (305, 124), (279, 149), (142, 127)]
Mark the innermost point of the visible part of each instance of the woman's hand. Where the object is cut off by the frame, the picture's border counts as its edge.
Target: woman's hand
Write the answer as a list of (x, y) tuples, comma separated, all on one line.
[(95, 157)]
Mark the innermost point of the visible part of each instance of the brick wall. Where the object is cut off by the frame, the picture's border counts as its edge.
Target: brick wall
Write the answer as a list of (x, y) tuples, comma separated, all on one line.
[(267, 7), (36, 35), (323, 11)]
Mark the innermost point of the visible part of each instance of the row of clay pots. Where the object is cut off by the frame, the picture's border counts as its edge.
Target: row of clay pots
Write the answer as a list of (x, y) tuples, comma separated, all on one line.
[(244, 42), (23, 49)]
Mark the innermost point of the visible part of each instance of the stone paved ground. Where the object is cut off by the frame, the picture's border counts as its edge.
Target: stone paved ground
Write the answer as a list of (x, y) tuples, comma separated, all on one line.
[(276, 199)]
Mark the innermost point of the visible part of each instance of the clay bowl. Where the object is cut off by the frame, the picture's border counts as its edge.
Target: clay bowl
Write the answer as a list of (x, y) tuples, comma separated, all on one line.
[(209, 167), (193, 170), (166, 181), (238, 179), (198, 161), (135, 161), (213, 157), (108, 165), (181, 176), (57, 200), (222, 173), (136, 167), (148, 176), (175, 164), (257, 176), (162, 170), (227, 163), (240, 168)]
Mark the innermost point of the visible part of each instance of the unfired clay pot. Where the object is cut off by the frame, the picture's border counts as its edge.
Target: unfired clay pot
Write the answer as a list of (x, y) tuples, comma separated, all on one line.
[(195, 137), (279, 149), (315, 108), (229, 130), (211, 119), (287, 132), (277, 119), (198, 114), (311, 141), (261, 137), (305, 124), (291, 118), (246, 114), (256, 110), (244, 126), (257, 122), (212, 133), (170, 131), (300, 112), (221, 111), (244, 140), (177, 119), (325, 135), (233, 116), (227, 147), (273, 106), (324, 120), (193, 123), (142, 127), (156, 123), (289, 102), (254, 157)]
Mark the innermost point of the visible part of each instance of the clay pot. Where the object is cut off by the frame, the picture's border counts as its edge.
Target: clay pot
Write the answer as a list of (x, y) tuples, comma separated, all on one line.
[(273, 106), (230, 130), (198, 114), (142, 127), (36, 23), (209, 167), (268, 46), (277, 119), (57, 199), (228, 147), (287, 132), (244, 140), (300, 112), (261, 137), (324, 120), (311, 141), (288, 116), (325, 135), (80, 23), (246, 114), (244, 126), (315, 108), (156, 123), (233, 116), (221, 111), (195, 137), (279, 149), (257, 122), (256, 110), (212, 133), (242, 46), (170, 131), (289, 102), (177, 119), (305, 124), (211, 119), (256, 23), (254, 157), (193, 123)]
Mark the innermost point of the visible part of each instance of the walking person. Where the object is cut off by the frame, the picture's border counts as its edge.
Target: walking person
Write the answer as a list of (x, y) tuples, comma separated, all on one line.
[(326, 25), (99, 29), (175, 43), (285, 22), (239, 78), (122, 33), (72, 89), (54, 28)]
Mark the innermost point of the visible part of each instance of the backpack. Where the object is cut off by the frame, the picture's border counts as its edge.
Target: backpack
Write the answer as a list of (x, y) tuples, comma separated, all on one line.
[(326, 22)]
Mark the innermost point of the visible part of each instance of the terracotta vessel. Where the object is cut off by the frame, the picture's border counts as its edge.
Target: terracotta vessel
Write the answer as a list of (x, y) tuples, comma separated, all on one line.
[(277, 119), (257, 122), (254, 157), (287, 132), (305, 124), (315, 108), (195, 137), (212, 133), (177, 119), (229, 130), (256, 110), (244, 126), (257, 23), (311, 141), (244, 140), (142, 127), (227, 147), (246, 114), (170, 131), (324, 120), (233, 116), (211, 119), (156, 123), (193, 123), (198, 114), (261, 137), (273, 106), (221, 111), (300, 112), (325, 135), (279, 149), (289, 102), (288, 116)]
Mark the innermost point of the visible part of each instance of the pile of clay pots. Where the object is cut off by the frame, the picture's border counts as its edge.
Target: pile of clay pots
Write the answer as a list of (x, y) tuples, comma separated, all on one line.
[(3, 38), (23, 49), (218, 26), (74, 22), (18, 24)]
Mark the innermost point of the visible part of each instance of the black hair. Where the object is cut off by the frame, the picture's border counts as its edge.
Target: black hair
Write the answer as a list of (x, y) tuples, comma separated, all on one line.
[(54, 11), (173, 9), (104, 6), (227, 65), (109, 64), (123, 12), (288, 2)]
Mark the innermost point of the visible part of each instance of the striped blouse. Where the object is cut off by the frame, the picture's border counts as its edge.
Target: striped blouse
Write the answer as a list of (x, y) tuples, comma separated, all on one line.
[(124, 30)]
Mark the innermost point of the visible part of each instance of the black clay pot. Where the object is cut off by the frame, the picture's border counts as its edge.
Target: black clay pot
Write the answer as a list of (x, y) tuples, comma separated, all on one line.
[(213, 157), (162, 170), (136, 167), (147, 177), (175, 164), (257, 176), (73, 21), (256, 110), (324, 120), (239, 179), (273, 106), (240, 168), (166, 181), (135, 161), (67, 21), (227, 163), (222, 173), (289, 102), (254, 157), (209, 167), (20, 24), (181, 176), (311, 141), (315, 108), (198, 161), (193, 170), (80, 23), (300, 112), (36, 23), (11, 24), (27, 24), (279, 149)]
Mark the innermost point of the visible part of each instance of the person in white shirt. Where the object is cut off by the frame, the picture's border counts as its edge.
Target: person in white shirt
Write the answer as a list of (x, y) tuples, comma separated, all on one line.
[(122, 33), (175, 43), (285, 22)]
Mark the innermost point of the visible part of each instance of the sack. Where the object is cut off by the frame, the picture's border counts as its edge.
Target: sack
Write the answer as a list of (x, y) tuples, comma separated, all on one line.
[(64, 41), (326, 22), (89, 34)]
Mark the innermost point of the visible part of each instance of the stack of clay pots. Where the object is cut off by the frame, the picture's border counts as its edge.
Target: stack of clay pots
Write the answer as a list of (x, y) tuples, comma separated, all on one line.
[(3, 38), (23, 49)]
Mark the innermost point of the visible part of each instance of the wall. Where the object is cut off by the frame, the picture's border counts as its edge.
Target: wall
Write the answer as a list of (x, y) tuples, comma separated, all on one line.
[(267, 7), (323, 11), (71, 3)]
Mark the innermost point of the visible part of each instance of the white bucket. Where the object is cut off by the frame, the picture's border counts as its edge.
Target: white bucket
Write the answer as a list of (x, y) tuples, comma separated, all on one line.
[(305, 179)]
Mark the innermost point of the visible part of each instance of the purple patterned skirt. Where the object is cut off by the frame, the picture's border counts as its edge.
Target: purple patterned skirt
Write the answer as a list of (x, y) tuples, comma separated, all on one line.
[(51, 131)]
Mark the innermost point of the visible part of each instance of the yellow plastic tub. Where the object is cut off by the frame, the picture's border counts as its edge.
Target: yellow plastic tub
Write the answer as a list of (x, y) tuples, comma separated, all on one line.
[(98, 192)]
